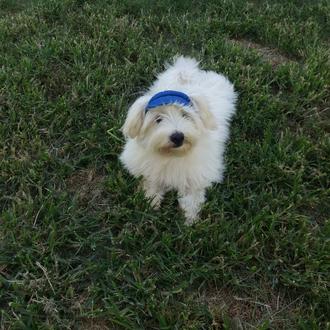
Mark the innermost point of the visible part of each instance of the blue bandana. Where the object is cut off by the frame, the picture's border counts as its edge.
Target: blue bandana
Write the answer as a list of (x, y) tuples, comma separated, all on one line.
[(168, 97)]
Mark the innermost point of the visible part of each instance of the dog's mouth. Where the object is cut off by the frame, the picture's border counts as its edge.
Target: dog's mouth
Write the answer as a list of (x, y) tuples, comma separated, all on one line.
[(176, 150), (175, 146)]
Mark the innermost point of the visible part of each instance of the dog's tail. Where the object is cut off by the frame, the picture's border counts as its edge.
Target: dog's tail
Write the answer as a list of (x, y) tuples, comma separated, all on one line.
[(185, 68)]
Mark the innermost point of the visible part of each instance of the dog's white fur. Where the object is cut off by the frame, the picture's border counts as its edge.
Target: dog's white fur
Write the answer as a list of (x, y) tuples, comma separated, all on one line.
[(199, 162)]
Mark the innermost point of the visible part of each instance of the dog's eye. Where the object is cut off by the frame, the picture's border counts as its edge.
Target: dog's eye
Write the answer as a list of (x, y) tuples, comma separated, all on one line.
[(158, 120), (185, 115)]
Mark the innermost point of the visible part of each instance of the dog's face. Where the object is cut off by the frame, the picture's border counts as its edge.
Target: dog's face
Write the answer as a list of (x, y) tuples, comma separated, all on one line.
[(170, 129)]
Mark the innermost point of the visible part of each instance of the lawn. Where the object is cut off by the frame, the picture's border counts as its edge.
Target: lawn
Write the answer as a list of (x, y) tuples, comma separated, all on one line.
[(80, 248)]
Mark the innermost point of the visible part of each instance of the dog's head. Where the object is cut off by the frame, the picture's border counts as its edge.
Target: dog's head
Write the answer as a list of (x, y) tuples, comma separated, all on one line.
[(169, 129)]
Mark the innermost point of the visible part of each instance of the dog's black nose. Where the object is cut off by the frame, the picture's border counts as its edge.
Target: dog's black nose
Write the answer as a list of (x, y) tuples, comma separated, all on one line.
[(177, 138)]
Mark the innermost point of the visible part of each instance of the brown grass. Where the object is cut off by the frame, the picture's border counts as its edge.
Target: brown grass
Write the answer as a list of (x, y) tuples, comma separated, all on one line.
[(247, 311), (270, 55), (88, 186)]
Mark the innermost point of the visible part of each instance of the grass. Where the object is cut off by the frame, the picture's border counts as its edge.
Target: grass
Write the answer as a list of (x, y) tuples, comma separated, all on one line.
[(79, 246)]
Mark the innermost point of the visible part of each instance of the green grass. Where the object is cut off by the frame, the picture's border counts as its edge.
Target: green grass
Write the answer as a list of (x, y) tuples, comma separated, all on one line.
[(79, 246)]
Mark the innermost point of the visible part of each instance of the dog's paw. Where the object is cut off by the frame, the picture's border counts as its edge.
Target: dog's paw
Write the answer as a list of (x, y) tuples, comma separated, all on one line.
[(153, 193), (191, 205), (190, 220), (155, 201)]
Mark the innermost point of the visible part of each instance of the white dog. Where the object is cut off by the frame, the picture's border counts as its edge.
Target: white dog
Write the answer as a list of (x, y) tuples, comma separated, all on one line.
[(176, 134)]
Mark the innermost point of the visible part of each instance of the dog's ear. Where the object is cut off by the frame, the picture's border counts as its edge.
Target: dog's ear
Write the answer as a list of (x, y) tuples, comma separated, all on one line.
[(135, 117), (206, 115)]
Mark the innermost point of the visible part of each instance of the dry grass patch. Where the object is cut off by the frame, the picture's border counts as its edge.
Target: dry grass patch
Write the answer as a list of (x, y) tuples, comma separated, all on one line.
[(88, 186), (270, 55), (248, 311)]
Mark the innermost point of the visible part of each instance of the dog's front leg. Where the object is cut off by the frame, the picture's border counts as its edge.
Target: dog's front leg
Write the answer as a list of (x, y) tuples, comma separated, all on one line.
[(154, 192), (191, 204)]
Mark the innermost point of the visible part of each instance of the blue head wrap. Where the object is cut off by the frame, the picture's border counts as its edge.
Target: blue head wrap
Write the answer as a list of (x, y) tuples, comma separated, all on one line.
[(168, 97)]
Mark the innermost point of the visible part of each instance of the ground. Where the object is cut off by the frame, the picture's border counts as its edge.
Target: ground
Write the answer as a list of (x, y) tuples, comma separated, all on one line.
[(80, 247)]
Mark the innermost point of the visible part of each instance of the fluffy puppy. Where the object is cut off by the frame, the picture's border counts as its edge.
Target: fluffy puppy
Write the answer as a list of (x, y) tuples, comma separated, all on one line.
[(176, 134)]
